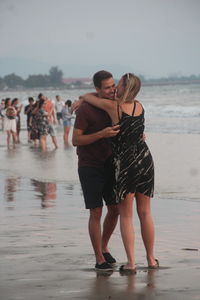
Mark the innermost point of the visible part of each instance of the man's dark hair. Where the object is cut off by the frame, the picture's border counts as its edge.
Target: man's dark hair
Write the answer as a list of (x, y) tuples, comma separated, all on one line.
[(40, 95), (100, 76), (30, 99)]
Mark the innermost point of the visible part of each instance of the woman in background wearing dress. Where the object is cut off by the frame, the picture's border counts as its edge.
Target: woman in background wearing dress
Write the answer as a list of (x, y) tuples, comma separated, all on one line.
[(18, 108)]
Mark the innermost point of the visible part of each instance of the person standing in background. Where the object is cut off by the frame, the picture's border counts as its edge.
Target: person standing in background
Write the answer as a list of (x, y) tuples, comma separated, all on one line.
[(10, 126), (18, 108), (2, 105), (43, 124), (49, 108), (28, 111), (67, 117), (58, 107), (34, 131)]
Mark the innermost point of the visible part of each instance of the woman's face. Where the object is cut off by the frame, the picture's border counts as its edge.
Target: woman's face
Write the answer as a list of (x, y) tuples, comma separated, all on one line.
[(16, 103), (120, 88)]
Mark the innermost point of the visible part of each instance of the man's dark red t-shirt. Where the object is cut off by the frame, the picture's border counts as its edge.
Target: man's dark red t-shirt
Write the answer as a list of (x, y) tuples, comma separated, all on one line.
[(91, 119)]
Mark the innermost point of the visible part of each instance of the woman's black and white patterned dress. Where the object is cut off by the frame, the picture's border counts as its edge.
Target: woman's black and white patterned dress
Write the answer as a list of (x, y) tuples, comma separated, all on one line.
[(134, 167)]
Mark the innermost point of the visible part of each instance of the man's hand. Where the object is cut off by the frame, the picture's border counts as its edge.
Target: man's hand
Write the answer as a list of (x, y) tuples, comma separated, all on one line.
[(81, 139), (110, 131)]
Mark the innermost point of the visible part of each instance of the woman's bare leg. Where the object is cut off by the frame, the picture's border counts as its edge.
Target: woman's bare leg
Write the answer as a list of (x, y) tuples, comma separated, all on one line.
[(54, 141), (126, 227), (8, 138), (17, 136), (66, 135), (43, 143), (14, 137), (147, 225)]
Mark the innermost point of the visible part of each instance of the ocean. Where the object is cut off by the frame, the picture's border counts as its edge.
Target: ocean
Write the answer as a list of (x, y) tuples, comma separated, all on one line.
[(168, 108)]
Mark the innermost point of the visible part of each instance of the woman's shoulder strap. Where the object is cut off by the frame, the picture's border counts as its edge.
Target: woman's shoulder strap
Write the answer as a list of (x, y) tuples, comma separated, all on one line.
[(136, 102)]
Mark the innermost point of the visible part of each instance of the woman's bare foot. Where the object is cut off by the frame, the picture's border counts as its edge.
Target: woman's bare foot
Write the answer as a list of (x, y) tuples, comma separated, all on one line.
[(128, 269)]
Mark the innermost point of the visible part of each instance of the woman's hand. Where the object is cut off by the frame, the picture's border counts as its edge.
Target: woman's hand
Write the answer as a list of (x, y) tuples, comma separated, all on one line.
[(77, 103)]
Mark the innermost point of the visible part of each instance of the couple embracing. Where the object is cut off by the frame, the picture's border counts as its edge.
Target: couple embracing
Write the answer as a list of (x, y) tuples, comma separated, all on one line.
[(115, 165)]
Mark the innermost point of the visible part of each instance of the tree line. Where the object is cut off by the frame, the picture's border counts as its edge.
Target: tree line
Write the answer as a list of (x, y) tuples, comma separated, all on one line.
[(53, 79)]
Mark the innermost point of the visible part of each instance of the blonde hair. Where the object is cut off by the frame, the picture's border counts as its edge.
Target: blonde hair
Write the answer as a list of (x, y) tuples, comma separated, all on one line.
[(132, 86)]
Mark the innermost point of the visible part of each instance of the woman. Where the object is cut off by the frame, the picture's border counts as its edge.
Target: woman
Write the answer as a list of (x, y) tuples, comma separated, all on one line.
[(18, 108), (10, 122), (41, 117), (134, 169), (67, 116), (34, 131)]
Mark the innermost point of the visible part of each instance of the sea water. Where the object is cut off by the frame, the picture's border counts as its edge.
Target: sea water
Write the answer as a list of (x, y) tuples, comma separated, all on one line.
[(168, 108)]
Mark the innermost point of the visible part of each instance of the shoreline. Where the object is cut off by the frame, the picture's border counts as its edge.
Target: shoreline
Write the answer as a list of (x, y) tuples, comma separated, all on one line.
[(176, 171)]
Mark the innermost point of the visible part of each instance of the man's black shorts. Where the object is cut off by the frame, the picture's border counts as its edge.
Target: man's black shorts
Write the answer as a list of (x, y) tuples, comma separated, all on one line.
[(59, 116), (97, 183)]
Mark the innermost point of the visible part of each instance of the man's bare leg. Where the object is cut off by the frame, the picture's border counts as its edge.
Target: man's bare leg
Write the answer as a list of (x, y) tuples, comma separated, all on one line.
[(109, 225), (94, 227)]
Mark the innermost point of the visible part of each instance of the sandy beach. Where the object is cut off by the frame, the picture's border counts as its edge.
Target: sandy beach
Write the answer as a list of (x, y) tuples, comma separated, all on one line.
[(45, 251)]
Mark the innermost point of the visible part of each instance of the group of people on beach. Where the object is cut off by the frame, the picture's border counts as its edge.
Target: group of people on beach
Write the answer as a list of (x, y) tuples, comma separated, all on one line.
[(115, 165), (42, 115)]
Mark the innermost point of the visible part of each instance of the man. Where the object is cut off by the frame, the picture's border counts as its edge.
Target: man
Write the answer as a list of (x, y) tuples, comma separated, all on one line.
[(92, 129), (28, 111), (59, 105), (2, 106), (49, 108)]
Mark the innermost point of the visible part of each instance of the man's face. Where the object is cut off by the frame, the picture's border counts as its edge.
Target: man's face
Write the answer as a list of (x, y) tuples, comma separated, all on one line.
[(31, 102), (107, 89)]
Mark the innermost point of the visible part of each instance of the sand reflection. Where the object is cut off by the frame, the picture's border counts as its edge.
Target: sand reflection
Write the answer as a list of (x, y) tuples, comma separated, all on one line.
[(11, 185), (114, 285), (46, 191)]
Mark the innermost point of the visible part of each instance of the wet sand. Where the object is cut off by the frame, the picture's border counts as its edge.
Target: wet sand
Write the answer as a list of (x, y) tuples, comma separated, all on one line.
[(45, 251)]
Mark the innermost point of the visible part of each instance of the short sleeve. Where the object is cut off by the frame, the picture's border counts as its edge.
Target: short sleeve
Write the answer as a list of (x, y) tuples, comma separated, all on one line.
[(81, 121), (26, 108)]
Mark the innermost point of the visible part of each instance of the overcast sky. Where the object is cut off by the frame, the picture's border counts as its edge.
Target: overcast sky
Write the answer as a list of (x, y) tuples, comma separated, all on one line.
[(151, 37)]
